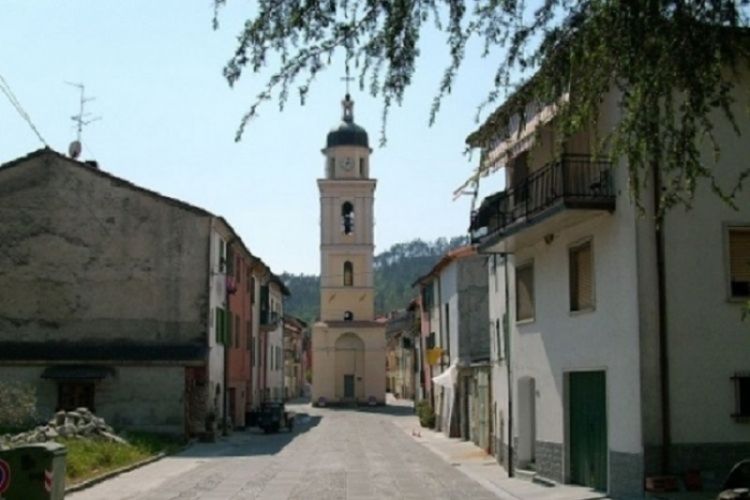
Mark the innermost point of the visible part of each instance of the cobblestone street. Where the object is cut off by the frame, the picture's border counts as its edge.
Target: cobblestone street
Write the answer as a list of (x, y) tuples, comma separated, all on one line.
[(332, 454)]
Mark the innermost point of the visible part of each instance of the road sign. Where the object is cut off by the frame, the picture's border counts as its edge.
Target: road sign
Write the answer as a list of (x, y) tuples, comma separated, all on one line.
[(4, 476)]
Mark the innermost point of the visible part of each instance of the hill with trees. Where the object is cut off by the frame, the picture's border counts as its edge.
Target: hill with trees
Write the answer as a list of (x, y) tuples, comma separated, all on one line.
[(395, 270)]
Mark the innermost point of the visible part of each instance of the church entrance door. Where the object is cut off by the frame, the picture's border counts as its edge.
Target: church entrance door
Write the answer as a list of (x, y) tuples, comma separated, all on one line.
[(349, 386), (350, 368)]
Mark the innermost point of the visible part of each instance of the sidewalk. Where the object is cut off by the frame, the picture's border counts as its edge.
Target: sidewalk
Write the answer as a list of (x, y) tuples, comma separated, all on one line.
[(483, 468)]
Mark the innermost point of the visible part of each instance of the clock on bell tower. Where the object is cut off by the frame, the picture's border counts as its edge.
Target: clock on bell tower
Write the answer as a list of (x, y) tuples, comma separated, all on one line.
[(346, 215), (348, 344)]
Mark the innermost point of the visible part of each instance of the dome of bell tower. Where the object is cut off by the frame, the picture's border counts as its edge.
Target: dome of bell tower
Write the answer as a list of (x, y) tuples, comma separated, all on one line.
[(347, 133)]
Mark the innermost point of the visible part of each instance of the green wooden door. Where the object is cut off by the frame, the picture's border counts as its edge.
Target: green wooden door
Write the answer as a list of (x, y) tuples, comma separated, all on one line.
[(349, 386), (588, 429)]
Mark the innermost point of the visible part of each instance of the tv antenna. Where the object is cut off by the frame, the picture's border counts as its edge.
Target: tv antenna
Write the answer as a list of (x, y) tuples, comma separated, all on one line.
[(80, 120)]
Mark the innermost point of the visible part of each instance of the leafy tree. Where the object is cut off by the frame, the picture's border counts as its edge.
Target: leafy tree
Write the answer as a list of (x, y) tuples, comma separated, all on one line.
[(672, 60)]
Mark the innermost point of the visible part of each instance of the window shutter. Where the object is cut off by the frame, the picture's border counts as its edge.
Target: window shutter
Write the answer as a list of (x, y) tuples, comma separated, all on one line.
[(581, 278), (739, 254), (525, 292), (217, 326)]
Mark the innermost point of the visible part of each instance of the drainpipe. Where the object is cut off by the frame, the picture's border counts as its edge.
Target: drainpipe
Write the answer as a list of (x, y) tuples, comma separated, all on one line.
[(506, 329), (666, 431)]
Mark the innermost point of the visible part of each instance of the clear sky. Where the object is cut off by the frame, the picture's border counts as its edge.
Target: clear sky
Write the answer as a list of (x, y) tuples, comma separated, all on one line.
[(169, 119)]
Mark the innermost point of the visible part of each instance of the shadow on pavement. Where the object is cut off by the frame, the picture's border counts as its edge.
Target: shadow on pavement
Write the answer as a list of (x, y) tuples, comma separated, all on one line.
[(392, 410), (252, 441)]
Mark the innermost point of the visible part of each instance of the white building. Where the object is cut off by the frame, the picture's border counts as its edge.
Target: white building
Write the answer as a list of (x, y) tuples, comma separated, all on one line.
[(597, 386), (274, 327), (456, 303)]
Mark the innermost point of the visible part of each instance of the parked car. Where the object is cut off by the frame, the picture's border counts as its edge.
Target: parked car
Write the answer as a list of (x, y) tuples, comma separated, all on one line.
[(737, 484), (273, 416)]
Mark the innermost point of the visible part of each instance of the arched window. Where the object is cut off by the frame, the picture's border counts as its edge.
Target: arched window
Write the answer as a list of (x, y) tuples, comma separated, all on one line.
[(348, 274), (348, 316), (347, 218)]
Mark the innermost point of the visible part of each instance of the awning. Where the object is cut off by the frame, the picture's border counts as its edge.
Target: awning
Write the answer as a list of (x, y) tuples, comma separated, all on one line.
[(448, 377), (521, 137), (76, 372)]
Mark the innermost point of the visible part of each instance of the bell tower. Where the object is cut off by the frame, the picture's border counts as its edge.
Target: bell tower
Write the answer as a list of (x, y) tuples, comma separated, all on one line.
[(348, 344), (346, 223)]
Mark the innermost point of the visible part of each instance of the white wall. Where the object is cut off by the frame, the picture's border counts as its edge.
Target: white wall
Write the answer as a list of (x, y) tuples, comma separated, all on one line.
[(275, 367), (708, 341), (217, 298), (558, 341), (498, 349)]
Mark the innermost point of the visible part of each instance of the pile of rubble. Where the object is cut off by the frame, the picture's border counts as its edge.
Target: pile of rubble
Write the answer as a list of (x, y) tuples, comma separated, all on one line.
[(76, 424)]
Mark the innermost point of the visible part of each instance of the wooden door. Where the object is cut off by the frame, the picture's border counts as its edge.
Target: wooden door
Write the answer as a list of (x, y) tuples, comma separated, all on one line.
[(588, 429)]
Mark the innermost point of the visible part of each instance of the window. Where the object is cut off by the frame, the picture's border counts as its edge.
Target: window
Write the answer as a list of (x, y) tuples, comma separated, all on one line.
[(361, 167), (348, 274), (525, 292), (581, 277), (222, 255), (220, 326), (447, 342), (331, 165), (249, 339), (500, 339), (348, 316), (741, 396), (430, 342), (237, 268), (252, 289), (347, 218), (739, 262), (229, 259), (72, 395)]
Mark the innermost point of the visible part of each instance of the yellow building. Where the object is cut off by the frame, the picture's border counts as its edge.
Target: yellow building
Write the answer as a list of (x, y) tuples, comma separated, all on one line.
[(348, 344)]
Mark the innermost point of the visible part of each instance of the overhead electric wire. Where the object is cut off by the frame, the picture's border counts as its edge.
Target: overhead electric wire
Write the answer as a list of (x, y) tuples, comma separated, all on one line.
[(8, 92)]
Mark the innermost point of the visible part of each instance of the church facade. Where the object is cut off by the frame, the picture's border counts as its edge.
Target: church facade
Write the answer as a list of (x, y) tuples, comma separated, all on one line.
[(348, 345)]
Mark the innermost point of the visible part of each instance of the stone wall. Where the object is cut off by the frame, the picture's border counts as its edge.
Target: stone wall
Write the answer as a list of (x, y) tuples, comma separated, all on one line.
[(713, 460), (549, 460), (132, 397), (87, 257), (474, 342), (625, 475)]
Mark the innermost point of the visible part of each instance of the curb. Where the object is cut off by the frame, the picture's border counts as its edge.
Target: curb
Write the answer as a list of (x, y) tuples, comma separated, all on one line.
[(116, 472), (127, 468)]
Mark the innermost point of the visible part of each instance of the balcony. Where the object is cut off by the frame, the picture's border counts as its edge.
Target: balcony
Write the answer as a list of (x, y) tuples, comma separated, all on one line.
[(560, 193), (269, 320)]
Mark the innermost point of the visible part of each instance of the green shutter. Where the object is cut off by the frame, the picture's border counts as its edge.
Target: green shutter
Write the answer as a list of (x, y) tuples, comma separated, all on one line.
[(217, 327)]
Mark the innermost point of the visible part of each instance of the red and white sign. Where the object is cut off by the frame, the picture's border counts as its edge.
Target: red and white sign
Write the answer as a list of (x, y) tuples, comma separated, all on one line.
[(4, 476), (48, 481)]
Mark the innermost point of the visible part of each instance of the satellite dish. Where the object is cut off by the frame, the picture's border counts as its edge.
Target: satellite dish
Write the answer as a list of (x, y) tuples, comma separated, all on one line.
[(74, 150)]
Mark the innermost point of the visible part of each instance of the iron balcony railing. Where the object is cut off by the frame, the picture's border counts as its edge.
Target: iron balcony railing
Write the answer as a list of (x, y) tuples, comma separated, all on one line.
[(574, 181)]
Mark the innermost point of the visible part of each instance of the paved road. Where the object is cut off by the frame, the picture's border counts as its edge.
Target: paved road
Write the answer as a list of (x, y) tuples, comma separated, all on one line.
[(332, 454)]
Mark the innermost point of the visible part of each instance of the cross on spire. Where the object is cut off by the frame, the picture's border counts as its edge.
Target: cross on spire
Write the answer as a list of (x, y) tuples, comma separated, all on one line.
[(347, 79)]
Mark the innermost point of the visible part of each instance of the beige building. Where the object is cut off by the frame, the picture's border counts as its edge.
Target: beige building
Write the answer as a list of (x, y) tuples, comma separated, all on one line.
[(348, 344)]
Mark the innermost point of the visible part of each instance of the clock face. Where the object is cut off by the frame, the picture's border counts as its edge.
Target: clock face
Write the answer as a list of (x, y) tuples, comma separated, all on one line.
[(347, 164)]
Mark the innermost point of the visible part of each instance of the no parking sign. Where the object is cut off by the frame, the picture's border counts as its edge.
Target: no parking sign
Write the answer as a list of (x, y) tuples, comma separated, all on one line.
[(4, 476)]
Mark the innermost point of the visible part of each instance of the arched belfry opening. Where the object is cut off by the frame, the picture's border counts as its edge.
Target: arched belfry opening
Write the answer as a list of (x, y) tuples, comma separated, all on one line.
[(348, 274), (348, 343), (347, 217)]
